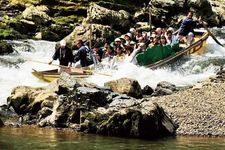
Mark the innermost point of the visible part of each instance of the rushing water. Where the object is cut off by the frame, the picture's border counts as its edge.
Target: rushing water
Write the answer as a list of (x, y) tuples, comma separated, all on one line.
[(16, 68), (50, 139)]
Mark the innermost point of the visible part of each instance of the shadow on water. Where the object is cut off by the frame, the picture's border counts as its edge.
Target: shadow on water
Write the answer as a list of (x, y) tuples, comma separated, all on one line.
[(52, 139)]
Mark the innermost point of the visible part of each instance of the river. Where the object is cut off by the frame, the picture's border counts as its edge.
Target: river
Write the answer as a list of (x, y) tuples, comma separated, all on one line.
[(16, 70), (50, 139)]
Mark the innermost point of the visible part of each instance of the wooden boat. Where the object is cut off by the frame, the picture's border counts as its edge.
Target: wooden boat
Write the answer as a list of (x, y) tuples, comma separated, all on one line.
[(50, 75), (197, 47)]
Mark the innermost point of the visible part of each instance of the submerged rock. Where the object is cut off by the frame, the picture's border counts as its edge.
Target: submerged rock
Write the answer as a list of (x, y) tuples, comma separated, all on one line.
[(5, 48)]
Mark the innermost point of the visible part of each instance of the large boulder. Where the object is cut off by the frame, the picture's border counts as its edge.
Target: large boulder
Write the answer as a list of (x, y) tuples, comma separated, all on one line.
[(125, 86), (144, 120), (37, 14), (26, 99), (164, 12), (118, 20), (5, 48), (86, 31), (205, 11)]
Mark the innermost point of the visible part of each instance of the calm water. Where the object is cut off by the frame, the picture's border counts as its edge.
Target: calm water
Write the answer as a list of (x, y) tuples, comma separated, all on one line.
[(50, 139)]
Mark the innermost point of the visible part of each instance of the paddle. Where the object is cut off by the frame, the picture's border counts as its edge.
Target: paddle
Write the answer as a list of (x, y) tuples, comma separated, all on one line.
[(210, 33), (73, 68)]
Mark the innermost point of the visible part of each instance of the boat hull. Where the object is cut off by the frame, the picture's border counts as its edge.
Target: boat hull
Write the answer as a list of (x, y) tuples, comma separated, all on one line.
[(51, 75), (197, 47)]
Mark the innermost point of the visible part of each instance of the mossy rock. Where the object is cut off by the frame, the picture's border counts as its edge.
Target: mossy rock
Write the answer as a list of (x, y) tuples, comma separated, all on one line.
[(49, 35), (66, 20), (11, 34), (5, 48)]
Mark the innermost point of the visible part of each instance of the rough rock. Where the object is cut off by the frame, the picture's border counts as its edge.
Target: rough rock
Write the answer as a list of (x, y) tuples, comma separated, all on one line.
[(101, 32), (147, 90), (25, 99), (164, 88), (37, 14), (147, 121), (116, 19), (125, 86)]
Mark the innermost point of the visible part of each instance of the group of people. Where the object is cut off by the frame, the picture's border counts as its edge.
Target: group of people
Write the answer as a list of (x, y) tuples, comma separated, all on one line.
[(123, 48)]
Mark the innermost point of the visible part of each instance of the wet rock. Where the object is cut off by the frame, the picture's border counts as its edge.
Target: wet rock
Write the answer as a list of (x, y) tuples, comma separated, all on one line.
[(132, 122), (25, 99), (91, 97), (147, 90), (164, 88), (125, 86), (64, 84), (46, 34), (5, 48), (44, 112)]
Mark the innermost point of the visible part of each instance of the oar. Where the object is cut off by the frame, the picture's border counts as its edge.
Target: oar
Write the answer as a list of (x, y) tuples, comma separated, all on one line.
[(210, 33), (73, 68)]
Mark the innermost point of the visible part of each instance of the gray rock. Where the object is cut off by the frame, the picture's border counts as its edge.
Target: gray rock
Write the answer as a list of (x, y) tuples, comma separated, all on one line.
[(37, 14), (164, 88), (100, 15), (125, 86), (147, 90)]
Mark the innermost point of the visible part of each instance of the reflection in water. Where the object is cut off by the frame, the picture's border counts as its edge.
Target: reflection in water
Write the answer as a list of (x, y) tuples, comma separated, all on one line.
[(52, 139)]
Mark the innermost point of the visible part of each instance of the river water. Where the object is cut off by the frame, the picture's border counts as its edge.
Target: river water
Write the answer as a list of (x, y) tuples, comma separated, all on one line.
[(16, 70), (51, 139)]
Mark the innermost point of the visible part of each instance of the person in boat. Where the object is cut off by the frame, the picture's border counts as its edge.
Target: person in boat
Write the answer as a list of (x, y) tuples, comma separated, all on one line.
[(108, 56), (158, 32), (128, 38), (141, 47), (98, 52), (119, 58), (64, 55), (117, 43), (138, 37), (186, 27), (156, 41), (163, 41), (81, 55), (170, 37)]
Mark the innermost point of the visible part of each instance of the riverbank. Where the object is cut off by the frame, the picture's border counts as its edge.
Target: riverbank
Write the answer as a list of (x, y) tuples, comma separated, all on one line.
[(196, 111), (199, 110)]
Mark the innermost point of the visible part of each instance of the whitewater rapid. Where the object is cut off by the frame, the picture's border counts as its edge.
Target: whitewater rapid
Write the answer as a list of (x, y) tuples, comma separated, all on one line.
[(16, 71)]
